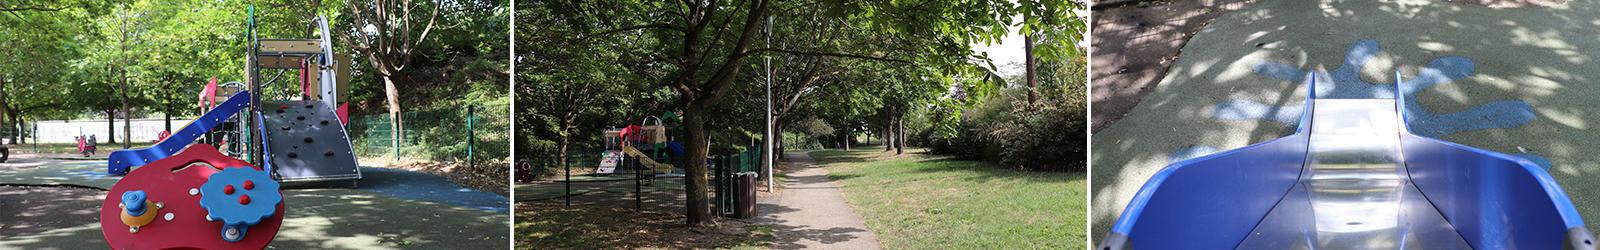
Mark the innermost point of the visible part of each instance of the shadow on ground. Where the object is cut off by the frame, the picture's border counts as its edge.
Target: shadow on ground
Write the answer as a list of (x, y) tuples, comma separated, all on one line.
[(788, 237)]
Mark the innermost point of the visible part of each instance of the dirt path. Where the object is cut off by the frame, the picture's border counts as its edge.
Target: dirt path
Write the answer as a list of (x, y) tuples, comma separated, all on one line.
[(811, 213)]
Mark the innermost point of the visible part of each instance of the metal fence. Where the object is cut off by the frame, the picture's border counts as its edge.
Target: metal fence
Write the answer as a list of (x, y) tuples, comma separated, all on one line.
[(479, 136), (722, 169), (725, 167)]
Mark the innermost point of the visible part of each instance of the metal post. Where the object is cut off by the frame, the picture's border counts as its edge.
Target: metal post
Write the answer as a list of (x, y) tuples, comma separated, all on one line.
[(766, 155), (394, 136), (470, 138), (565, 167), (638, 182)]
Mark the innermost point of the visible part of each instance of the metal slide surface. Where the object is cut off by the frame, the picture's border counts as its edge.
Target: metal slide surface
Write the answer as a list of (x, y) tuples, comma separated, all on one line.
[(305, 141), (1352, 177), (121, 161), (1354, 193)]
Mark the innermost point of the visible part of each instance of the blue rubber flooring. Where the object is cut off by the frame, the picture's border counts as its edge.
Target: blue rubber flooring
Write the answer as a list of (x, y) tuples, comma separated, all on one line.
[(428, 187)]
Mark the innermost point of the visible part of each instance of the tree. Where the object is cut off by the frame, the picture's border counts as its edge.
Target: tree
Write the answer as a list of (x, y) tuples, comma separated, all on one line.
[(40, 41), (705, 44), (388, 35)]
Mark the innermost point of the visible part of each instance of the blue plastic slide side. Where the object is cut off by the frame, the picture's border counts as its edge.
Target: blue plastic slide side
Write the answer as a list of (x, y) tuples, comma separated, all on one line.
[(676, 148), (123, 160), (1179, 207), (1495, 200), (261, 134)]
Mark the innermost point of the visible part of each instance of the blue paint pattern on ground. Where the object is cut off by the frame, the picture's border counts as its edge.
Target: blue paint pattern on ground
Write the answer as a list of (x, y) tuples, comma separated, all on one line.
[(1345, 82), (1191, 152), (89, 174), (428, 187), (1289, 116), (1496, 114)]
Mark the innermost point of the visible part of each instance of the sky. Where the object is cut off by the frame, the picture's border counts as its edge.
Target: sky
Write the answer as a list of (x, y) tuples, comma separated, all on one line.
[(1008, 50)]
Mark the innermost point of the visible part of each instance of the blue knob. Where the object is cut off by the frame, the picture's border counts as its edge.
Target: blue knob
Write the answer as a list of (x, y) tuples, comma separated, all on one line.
[(133, 201)]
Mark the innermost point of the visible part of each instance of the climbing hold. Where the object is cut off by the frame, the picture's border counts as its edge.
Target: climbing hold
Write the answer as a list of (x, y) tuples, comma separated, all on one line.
[(133, 202)]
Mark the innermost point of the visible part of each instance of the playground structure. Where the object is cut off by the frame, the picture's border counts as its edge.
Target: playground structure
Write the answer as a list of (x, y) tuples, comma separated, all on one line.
[(180, 190), (627, 141), (86, 145), (1352, 176)]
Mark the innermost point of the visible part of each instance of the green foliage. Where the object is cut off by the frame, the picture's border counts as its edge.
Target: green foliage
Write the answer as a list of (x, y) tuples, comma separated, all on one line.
[(1049, 135), (966, 142), (440, 135), (798, 141)]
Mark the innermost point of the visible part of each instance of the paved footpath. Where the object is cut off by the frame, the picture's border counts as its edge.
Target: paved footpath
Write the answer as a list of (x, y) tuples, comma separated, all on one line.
[(811, 213)]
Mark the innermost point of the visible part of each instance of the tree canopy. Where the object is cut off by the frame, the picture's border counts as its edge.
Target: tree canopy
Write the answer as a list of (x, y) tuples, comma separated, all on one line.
[(866, 60), (142, 58)]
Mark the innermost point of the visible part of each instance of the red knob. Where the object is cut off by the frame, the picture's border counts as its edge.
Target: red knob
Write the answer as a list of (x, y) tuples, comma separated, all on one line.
[(249, 185), (244, 199), (227, 189)]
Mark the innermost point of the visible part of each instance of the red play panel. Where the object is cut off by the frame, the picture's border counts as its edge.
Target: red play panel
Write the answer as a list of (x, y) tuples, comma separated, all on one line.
[(169, 181)]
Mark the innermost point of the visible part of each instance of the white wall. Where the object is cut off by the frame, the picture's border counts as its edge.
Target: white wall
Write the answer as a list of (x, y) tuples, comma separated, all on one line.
[(144, 130)]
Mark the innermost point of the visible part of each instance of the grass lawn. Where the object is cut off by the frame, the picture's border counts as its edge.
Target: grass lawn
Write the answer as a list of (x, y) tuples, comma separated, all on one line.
[(548, 226), (922, 201)]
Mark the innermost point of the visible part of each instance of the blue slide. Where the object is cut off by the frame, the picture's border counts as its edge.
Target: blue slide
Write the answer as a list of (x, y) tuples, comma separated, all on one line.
[(123, 160), (676, 148), (1352, 177)]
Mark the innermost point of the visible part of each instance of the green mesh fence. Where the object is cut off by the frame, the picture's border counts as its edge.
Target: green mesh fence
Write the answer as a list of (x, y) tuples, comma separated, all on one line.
[(723, 168), (479, 136)]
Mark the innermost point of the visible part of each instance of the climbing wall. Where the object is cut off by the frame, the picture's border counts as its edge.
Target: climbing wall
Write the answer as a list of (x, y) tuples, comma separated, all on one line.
[(305, 142)]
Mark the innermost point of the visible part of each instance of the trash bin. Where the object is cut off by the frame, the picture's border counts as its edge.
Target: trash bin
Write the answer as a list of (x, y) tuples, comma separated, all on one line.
[(524, 171), (744, 197)]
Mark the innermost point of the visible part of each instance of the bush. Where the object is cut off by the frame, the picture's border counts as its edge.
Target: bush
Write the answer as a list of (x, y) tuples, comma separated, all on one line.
[(967, 144), (1048, 135), (796, 141)]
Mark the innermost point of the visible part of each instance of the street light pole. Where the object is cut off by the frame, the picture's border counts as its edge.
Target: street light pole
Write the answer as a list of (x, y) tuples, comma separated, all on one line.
[(767, 149)]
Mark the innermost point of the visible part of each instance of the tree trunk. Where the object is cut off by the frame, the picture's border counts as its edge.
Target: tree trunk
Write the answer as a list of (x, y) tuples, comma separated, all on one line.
[(699, 205), (563, 137), (1032, 75), (888, 135), (561, 154), (168, 116), (393, 96), (111, 126), (901, 127), (127, 136), (5, 108), (783, 146), (847, 137)]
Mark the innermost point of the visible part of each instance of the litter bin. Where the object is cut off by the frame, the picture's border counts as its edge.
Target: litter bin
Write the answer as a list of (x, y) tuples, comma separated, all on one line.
[(524, 171), (744, 198)]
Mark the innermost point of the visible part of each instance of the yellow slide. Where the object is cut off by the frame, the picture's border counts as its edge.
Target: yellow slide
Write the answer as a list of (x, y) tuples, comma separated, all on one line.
[(647, 161)]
